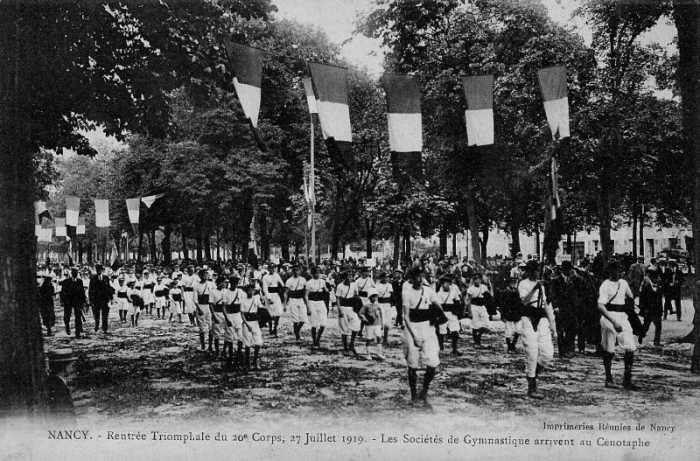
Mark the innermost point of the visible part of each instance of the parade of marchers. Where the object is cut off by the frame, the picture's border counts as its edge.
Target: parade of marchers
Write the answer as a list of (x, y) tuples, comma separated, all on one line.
[(438, 306)]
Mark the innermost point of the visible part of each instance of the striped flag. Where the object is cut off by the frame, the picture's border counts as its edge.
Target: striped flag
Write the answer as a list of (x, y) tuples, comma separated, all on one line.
[(81, 226), (60, 227), (148, 201), (246, 66), (478, 92), (403, 112), (101, 213), (41, 211), (310, 98), (556, 103), (46, 235), (330, 89), (132, 206), (72, 210)]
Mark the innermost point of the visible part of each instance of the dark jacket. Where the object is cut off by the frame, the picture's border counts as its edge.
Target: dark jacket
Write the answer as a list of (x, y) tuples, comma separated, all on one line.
[(72, 293), (100, 291)]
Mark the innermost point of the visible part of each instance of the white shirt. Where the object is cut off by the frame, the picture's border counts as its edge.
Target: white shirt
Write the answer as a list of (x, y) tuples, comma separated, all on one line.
[(524, 288), (614, 292), (419, 299), (477, 291)]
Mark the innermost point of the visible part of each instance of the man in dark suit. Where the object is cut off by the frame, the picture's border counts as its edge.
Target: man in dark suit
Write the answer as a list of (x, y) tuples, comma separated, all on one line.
[(100, 294), (73, 300), (672, 280)]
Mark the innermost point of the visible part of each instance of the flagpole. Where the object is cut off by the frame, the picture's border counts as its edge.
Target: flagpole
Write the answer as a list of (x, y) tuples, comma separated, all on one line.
[(312, 187)]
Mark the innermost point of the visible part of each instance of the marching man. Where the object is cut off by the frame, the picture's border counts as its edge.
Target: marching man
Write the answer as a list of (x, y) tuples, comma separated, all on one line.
[(296, 289), (385, 292), (421, 311), (317, 301), (273, 287), (188, 281), (232, 299), (252, 336), (450, 300), (202, 292), (348, 320)]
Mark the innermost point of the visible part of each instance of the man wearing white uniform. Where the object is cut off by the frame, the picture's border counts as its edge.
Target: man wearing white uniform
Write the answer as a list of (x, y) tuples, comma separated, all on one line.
[(316, 299), (232, 305), (450, 300), (421, 311), (348, 320), (216, 305), (296, 288), (385, 293), (122, 295), (273, 287), (615, 327), (187, 282), (252, 336), (202, 292), (476, 297), (364, 283), (537, 319)]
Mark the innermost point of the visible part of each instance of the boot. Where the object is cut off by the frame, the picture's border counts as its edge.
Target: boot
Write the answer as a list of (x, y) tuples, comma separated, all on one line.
[(136, 319), (132, 321), (239, 354), (607, 363), (429, 375), (441, 341), (627, 379), (313, 336), (412, 380), (211, 341), (532, 389), (345, 343), (477, 340), (380, 351), (385, 340), (246, 365), (201, 340), (48, 331), (455, 341), (352, 343), (277, 322), (318, 337), (509, 344), (256, 353), (216, 347), (538, 369)]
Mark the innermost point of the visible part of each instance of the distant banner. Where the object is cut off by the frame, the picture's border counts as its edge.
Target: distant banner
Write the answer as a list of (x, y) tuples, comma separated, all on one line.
[(72, 210), (80, 230), (46, 235), (403, 112), (37, 225), (478, 92), (246, 66), (310, 98), (41, 211), (101, 213), (60, 227), (148, 201), (330, 89), (132, 206), (556, 103)]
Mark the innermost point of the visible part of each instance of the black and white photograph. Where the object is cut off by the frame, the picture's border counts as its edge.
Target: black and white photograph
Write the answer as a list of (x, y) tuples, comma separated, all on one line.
[(349, 229)]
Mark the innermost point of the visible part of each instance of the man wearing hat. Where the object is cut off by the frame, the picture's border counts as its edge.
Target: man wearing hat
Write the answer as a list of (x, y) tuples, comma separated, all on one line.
[(420, 343), (46, 306), (100, 293), (202, 297), (566, 297), (188, 281), (160, 291), (636, 275), (316, 299), (364, 282), (397, 301), (273, 288), (537, 325), (385, 291), (122, 298), (252, 336), (477, 295), (60, 401), (294, 300), (148, 292), (651, 305), (348, 320), (450, 300), (673, 278), (615, 327), (73, 300)]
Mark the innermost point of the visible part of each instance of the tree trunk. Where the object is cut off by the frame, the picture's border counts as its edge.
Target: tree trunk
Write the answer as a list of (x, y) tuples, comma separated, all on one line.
[(264, 236), (21, 344), (641, 232), (484, 240), (443, 241), (335, 240), (207, 243), (686, 15), (515, 235), (140, 252), (165, 244), (454, 242), (152, 245), (185, 251), (605, 217), (397, 248), (407, 243), (89, 254), (369, 234), (537, 243), (473, 225), (569, 244), (199, 245), (80, 252)]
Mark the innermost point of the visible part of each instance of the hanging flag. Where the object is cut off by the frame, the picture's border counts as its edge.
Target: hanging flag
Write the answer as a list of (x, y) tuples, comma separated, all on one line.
[(403, 112), (60, 227), (72, 210), (80, 230), (330, 89), (246, 66), (41, 211), (148, 201), (37, 225), (478, 92), (46, 235), (132, 206), (310, 98), (101, 213), (556, 103)]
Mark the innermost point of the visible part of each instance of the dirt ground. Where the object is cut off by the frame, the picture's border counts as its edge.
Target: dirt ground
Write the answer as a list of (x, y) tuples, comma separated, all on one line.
[(156, 370)]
